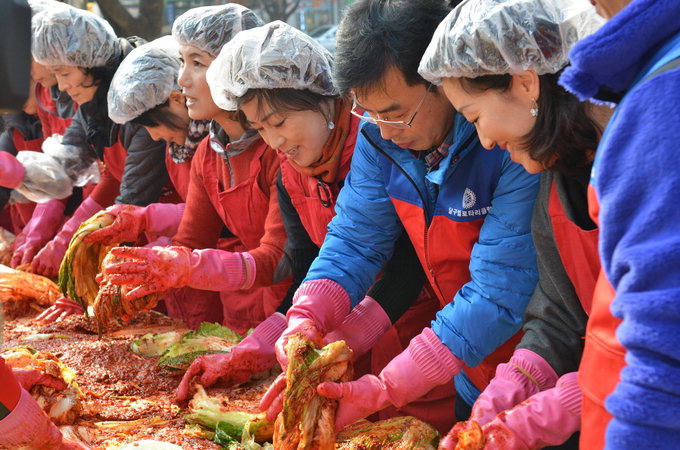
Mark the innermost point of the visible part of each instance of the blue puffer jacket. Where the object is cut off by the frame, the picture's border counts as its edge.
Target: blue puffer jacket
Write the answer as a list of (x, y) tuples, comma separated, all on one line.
[(469, 222), (637, 179)]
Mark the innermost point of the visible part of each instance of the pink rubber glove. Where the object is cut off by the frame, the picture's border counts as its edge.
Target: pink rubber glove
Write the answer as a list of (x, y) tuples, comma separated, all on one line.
[(45, 221), (361, 329), (11, 171), (424, 365), (160, 219), (27, 426), (547, 418), (48, 260), (158, 269), (252, 355), (62, 308), (319, 306), (163, 241), (272, 400), (523, 376)]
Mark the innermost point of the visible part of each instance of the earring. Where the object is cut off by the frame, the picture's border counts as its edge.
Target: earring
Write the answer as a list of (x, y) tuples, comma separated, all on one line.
[(331, 125), (534, 109)]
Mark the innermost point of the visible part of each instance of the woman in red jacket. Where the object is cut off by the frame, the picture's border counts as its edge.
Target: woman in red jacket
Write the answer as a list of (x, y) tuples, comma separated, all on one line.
[(83, 52), (232, 194), (55, 111), (144, 91), (301, 115), (510, 92)]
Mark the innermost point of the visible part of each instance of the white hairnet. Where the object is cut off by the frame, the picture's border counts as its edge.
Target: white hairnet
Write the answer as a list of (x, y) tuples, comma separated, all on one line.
[(273, 56), (38, 6), (144, 79), (494, 37), (73, 37), (210, 27)]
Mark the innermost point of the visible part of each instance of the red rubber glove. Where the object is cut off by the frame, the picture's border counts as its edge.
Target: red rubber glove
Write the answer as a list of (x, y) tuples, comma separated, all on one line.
[(131, 221), (252, 355), (425, 364), (45, 221), (48, 260), (62, 308), (158, 269)]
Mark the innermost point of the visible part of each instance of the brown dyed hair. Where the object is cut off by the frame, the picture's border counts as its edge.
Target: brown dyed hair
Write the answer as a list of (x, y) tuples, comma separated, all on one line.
[(564, 137)]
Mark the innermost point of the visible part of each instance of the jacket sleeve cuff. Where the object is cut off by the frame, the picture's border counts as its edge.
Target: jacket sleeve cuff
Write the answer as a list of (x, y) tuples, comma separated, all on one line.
[(526, 365), (434, 358), (324, 301), (12, 172)]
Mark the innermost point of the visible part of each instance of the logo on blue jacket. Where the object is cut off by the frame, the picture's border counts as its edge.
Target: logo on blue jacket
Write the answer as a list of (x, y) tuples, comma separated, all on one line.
[(469, 201)]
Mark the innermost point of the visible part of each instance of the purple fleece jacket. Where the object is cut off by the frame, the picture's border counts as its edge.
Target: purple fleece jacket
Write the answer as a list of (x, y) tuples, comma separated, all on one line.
[(637, 180)]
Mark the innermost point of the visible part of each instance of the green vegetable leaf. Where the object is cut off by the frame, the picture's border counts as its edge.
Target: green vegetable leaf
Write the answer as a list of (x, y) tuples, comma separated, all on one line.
[(217, 330), (155, 344)]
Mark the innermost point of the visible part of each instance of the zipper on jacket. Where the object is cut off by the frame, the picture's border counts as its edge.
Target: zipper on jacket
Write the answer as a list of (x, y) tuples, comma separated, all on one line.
[(426, 252), (426, 249)]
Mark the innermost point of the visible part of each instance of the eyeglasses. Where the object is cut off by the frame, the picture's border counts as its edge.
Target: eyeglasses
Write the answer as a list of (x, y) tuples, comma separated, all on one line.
[(392, 123)]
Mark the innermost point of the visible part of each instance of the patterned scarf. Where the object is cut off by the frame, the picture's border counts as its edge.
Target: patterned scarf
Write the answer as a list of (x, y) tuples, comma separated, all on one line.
[(436, 155), (326, 169), (198, 129), (220, 143)]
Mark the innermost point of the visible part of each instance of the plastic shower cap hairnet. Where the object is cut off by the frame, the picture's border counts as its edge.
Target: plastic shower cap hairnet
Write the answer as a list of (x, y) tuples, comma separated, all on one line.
[(210, 27), (273, 56), (42, 5), (494, 37), (144, 79), (73, 37), (38, 6)]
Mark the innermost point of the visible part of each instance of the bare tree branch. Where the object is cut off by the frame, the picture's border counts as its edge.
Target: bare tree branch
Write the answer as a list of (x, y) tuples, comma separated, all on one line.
[(293, 7), (147, 25), (280, 9)]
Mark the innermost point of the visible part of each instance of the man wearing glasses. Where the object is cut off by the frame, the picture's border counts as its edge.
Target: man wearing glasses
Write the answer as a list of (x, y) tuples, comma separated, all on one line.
[(467, 211)]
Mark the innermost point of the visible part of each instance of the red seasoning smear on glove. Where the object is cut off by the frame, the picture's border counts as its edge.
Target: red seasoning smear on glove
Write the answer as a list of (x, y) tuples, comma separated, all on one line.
[(308, 419)]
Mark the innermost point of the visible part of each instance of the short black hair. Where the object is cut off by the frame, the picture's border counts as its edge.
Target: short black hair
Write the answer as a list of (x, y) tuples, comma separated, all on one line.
[(160, 115), (564, 137), (375, 35)]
